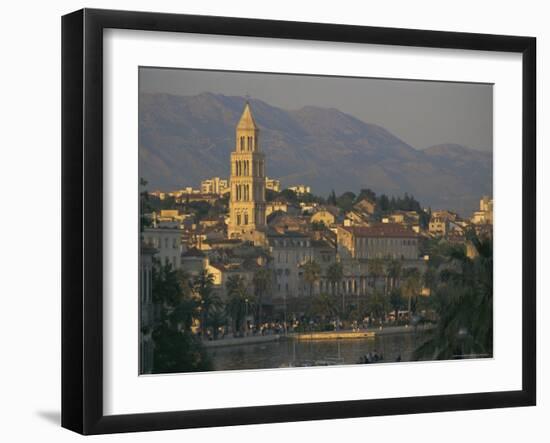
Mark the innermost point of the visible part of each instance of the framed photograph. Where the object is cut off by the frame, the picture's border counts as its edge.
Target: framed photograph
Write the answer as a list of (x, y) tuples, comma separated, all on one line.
[(270, 221)]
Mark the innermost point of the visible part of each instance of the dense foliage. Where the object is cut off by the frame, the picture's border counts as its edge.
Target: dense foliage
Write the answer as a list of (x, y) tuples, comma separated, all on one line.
[(463, 300)]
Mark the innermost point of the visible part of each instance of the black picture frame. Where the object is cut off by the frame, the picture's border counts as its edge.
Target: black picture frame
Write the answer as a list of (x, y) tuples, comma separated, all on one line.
[(82, 218)]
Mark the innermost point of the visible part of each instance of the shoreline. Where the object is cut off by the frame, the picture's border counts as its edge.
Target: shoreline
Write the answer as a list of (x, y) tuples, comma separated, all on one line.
[(369, 333)]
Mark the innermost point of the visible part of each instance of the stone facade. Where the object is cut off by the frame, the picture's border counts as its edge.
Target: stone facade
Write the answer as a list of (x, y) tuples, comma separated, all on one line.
[(247, 181)]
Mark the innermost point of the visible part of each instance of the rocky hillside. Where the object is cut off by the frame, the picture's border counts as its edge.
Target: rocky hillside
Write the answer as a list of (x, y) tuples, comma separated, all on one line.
[(186, 139)]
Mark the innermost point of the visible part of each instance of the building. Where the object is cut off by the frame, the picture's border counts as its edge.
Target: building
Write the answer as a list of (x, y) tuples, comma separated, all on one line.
[(384, 241), (440, 222), (214, 185), (247, 202), (366, 205), (222, 272), (276, 205), (158, 194), (170, 218), (485, 213), (290, 252), (272, 184), (282, 222), (193, 261), (167, 242), (356, 218), (325, 215), (301, 189), (308, 208)]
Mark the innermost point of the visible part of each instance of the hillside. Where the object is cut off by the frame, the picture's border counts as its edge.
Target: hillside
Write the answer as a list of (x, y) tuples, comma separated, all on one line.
[(186, 139)]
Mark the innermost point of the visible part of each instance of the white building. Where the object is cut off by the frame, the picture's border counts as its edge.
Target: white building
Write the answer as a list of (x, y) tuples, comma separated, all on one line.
[(384, 241), (273, 184), (301, 189), (167, 242), (215, 185)]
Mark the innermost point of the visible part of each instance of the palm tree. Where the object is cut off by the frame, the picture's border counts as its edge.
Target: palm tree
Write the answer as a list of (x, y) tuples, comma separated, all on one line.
[(324, 306), (393, 272), (217, 318), (412, 287), (375, 269), (262, 283), (239, 303), (396, 301), (335, 274), (312, 272), (203, 286), (465, 305), (376, 305)]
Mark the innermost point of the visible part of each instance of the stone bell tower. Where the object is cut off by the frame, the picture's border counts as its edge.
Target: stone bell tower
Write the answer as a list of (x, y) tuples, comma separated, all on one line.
[(247, 181)]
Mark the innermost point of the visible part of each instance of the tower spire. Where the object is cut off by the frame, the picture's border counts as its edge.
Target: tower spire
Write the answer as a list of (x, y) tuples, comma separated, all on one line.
[(247, 120), (247, 181)]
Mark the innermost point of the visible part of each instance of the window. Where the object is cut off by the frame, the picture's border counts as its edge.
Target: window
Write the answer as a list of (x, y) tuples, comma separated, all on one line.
[(246, 218), (238, 219)]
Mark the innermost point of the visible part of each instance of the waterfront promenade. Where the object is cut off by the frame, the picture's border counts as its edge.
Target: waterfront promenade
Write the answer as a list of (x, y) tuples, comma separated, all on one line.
[(327, 335)]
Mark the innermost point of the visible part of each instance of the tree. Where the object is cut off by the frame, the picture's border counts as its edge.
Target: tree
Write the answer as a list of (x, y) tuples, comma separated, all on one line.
[(312, 273), (335, 274), (412, 287), (177, 351), (465, 305), (262, 283), (375, 268), (393, 272), (144, 205), (376, 305), (239, 303), (203, 286), (366, 193), (216, 319), (396, 301), (345, 201), (324, 306), (176, 348), (331, 200), (289, 195)]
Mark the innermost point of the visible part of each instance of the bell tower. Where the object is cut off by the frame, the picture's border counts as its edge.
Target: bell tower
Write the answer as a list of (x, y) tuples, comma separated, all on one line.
[(247, 180)]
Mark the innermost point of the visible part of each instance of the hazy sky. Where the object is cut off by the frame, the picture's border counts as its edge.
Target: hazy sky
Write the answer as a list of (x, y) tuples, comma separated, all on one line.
[(421, 113)]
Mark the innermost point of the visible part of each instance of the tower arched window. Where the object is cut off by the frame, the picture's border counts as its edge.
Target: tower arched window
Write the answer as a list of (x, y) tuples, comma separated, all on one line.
[(246, 218), (238, 219), (242, 143)]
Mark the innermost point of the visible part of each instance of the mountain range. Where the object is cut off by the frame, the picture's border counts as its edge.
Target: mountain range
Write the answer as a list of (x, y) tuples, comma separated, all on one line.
[(185, 139)]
